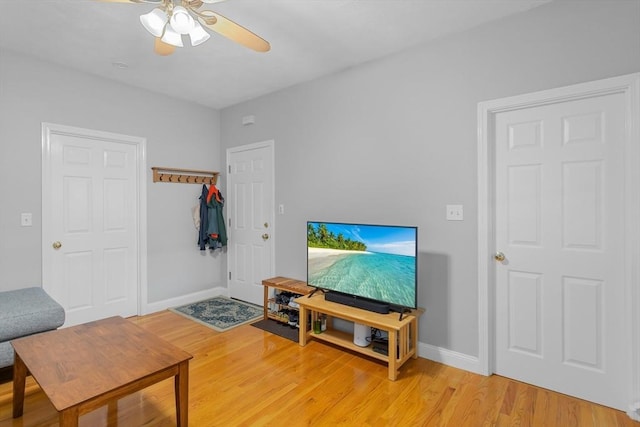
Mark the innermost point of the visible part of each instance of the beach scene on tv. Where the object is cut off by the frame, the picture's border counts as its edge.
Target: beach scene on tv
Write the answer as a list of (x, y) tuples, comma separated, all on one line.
[(370, 261)]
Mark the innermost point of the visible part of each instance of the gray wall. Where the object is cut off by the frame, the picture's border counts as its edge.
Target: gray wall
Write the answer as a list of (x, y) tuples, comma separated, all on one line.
[(179, 134), (394, 141)]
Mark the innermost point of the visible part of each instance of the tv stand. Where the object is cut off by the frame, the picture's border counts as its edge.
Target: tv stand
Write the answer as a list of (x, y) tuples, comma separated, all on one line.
[(403, 333)]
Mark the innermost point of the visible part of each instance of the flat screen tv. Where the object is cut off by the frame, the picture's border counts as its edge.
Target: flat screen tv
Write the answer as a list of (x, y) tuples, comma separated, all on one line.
[(376, 263)]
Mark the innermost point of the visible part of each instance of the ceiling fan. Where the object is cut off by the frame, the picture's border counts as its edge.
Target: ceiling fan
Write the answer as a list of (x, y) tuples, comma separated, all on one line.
[(169, 21)]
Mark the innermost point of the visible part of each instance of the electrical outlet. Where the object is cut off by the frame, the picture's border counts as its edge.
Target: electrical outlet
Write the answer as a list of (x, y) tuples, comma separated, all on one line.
[(281, 209), (454, 213), (26, 220)]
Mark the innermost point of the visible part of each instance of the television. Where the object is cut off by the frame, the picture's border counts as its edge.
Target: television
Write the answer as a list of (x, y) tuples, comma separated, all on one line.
[(373, 267)]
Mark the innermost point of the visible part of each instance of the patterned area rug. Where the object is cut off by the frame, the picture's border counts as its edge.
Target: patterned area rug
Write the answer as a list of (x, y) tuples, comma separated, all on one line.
[(221, 313)]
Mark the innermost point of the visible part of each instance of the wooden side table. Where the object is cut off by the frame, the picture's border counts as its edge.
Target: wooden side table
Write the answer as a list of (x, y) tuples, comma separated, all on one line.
[(75, 367), (284, 284)]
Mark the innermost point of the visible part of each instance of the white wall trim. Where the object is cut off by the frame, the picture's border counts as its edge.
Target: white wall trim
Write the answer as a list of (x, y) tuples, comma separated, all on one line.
[(143, 290), (632, 249), (450, 358), (185, 299), (629, 85), (140, 144)]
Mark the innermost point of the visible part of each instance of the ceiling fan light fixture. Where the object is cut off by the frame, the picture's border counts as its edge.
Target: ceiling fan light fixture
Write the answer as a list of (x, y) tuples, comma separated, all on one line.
[(154, 21), (171, 36), (181, 21), (162, 48), (198, 35)]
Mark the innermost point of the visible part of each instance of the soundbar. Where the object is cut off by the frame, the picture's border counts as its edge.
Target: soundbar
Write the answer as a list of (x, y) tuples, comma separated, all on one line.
[(358, 302)]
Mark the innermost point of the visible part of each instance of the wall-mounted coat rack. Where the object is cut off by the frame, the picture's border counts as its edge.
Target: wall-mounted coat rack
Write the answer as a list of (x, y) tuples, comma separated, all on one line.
[(184, 176)]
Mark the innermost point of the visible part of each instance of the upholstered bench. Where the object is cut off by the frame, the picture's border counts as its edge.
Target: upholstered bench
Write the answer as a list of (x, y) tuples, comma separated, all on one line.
[(25, 312)]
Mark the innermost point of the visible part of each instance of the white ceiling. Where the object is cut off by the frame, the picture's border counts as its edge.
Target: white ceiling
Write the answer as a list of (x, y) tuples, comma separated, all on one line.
[(309, 38)]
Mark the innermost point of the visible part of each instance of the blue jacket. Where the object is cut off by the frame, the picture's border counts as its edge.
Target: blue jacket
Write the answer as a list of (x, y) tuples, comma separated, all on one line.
[(216, 229)]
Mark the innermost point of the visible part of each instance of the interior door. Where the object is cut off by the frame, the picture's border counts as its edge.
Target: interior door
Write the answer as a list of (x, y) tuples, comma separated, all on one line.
[(559, 206), (251, 213), (90, 223)]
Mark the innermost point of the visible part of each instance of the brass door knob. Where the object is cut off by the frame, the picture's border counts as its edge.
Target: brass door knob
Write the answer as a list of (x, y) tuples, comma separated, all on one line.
[(499, 256), (265, 236), (57, 245)]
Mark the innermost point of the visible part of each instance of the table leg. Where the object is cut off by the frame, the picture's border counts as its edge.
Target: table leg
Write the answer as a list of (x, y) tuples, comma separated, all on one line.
[(414, 337), (69, 417), (182, 394), (19, 381), (266, 302), (112, 413), (302, 323), (392, 354)]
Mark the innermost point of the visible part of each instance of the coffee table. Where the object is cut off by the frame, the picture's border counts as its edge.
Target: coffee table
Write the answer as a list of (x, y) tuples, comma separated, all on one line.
[(84, 367)]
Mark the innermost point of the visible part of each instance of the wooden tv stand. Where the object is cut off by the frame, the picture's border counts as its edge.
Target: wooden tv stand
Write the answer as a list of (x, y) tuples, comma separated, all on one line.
[(403, 334)]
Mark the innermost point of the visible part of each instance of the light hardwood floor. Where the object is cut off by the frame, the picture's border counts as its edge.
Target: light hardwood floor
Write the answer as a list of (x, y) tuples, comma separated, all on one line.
[(248, 377)]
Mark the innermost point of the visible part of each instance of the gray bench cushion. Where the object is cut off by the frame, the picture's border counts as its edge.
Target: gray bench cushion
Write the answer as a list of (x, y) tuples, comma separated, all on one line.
[(28, 311), (6, 354)]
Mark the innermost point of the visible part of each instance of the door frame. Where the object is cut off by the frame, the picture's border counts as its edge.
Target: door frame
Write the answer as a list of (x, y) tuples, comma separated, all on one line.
[(629, 86), (140, 143), (247, 147)]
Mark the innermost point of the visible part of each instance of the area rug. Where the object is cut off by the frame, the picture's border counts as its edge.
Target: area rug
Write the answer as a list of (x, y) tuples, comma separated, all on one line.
[(277, 328), (220, 313)]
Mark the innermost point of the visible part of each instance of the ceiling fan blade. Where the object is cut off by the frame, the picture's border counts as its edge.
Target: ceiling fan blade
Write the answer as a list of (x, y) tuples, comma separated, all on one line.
[(233, 31), (162, 48), (133, 1)]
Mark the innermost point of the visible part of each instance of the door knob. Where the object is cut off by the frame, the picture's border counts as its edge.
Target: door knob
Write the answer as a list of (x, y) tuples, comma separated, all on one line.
[(57, 245), (265, 236), (499, 256)]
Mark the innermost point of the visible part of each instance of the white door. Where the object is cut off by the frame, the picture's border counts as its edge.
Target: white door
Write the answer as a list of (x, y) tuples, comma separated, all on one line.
[(90, 222), (559, 221), (250, 209)]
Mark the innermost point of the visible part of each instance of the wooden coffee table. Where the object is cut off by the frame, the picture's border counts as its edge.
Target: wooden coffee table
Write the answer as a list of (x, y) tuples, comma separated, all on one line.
[(87, 366)]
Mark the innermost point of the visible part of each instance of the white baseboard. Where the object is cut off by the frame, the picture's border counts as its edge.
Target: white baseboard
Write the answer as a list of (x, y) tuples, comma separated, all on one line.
[(450, 358), (182, 300), (634, 411)]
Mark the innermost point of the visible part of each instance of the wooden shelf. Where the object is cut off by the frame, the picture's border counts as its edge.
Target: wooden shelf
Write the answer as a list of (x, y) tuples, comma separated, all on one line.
[(345, 340), (402, 333), (283, 284), (276, 318), (184, 176)]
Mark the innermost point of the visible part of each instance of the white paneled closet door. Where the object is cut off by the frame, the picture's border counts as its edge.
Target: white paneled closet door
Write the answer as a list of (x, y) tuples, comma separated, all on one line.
[(559, 223), (91, 225)]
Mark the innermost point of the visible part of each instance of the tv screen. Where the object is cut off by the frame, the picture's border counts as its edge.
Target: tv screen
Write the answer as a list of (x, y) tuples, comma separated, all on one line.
[(377, 262)]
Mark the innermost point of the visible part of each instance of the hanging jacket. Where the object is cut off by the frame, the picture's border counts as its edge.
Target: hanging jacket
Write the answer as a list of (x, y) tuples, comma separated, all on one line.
[(203, 235), (216, 229)]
